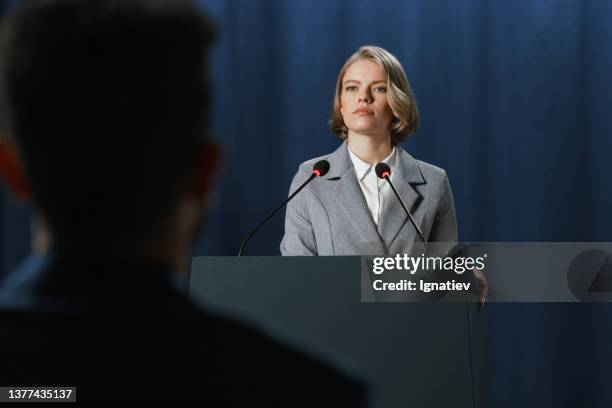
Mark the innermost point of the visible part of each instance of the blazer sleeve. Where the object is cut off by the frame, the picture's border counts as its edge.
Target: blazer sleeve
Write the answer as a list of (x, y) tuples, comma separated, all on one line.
[(444, 228), (299, 238)]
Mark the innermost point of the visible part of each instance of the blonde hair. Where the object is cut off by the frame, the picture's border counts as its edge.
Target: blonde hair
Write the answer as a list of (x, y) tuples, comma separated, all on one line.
[(399, 95)]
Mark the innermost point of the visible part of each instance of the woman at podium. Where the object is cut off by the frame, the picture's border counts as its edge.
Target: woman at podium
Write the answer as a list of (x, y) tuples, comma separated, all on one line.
[(351, 210)]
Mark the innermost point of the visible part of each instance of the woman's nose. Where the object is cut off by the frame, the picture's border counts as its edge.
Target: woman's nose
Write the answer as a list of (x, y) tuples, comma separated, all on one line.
[(364, 97)]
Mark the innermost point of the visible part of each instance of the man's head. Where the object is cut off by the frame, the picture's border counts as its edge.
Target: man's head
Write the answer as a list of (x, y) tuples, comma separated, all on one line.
[(105, 103)]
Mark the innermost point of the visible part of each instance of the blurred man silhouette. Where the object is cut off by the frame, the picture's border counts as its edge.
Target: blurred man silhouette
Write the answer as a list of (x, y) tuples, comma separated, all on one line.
[(105, 106)]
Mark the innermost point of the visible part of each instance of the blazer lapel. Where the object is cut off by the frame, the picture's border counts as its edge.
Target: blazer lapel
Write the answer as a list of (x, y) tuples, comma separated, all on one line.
[(350, 199), (393, 218)]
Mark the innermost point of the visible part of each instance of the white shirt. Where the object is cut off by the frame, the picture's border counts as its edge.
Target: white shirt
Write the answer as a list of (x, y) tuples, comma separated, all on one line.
[(375, 190)]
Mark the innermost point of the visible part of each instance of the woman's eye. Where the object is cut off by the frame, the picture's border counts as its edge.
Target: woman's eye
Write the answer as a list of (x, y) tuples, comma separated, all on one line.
[(380, 89), (351, 88)]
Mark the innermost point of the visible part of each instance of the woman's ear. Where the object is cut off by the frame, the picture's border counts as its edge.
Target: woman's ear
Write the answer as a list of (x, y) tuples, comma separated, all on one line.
[(12, 173)]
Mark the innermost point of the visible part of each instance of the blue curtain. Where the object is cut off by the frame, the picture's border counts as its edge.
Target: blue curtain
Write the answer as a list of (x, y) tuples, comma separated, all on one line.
[(514, 100)]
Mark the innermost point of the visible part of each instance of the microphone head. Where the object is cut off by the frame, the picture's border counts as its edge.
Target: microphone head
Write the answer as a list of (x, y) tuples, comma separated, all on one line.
[(382, 170), (321, 168)]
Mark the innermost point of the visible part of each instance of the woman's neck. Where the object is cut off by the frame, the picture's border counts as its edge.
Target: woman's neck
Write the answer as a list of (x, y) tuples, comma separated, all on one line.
[(369, 148)]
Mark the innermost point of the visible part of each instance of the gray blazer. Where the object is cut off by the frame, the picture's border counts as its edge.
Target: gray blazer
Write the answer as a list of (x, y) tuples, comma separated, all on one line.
[(331, 217)]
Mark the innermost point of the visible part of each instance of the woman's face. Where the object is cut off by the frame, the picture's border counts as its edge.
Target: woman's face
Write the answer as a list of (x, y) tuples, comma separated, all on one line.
[(363, 101)]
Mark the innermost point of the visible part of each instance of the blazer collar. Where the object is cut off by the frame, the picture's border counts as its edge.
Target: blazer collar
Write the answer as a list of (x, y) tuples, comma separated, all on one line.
[(393, 217), (405, 165), (339, 162), (350, 197)]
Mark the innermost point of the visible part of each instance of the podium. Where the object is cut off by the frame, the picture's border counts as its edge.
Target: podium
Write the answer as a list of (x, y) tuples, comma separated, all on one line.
[(411, 354)]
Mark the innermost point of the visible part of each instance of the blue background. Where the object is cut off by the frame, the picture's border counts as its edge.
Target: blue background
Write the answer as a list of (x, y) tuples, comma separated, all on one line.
[(514, 98)]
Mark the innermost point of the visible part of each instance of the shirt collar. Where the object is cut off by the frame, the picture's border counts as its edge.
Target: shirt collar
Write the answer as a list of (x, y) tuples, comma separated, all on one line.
[(362, 167)]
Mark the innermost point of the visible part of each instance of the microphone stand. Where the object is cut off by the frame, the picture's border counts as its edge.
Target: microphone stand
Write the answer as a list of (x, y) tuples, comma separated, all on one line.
[(248, 237), (414, 224)]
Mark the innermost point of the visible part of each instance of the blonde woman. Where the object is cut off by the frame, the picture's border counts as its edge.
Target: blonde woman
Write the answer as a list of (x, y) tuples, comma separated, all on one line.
[(350, 211)]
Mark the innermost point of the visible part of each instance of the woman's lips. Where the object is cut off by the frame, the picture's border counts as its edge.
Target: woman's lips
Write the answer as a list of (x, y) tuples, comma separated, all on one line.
[(363, 112)]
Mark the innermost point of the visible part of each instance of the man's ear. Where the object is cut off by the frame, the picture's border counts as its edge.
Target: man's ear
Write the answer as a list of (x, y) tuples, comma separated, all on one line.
[(205, 169), (12, 173)]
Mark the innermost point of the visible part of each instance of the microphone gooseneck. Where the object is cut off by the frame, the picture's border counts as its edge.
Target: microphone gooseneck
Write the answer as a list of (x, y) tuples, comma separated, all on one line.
[(318, 170), (383, 171)]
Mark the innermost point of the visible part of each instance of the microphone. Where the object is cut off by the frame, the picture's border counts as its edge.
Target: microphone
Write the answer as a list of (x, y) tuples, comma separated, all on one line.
[(318, 170), (383, 171)]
